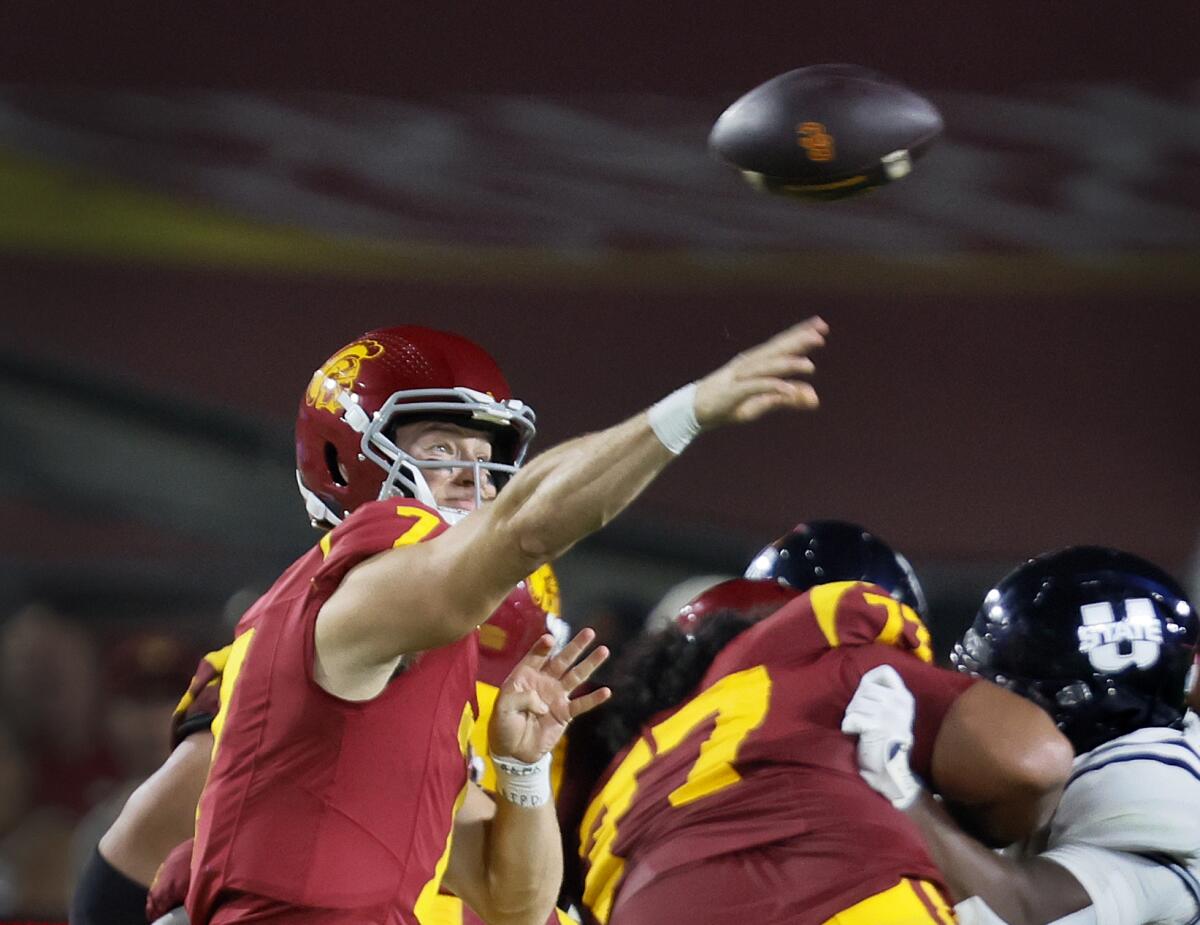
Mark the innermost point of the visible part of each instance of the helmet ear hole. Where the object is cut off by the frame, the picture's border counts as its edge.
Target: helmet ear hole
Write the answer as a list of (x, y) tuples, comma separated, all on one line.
[(335, 469)]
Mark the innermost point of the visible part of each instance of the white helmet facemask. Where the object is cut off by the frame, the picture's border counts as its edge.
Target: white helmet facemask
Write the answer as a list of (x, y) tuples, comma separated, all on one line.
[(404, 473), (406, 479)]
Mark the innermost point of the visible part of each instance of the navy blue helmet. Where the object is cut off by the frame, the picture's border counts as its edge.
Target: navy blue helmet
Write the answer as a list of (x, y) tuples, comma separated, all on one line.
[(1100, 639), (822, 551)]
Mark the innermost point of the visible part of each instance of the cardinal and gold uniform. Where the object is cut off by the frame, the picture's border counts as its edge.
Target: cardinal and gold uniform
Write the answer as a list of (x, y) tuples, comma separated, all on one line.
[(202, 701), (745, 803), (170, 886), (319, 809), (532, 609)]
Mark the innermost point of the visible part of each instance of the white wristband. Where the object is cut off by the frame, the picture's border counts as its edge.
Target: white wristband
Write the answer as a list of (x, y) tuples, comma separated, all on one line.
[(673, 419), (522, 783)]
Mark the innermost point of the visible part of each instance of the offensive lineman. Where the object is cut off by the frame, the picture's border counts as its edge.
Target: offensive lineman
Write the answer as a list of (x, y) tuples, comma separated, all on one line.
[(736, 795)]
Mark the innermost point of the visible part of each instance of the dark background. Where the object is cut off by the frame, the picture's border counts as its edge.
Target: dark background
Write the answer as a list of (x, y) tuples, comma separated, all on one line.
[(198, 204)]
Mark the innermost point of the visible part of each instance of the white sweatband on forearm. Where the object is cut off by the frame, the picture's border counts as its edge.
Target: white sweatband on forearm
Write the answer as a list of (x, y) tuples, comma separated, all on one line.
[(521, 783), (673, 419)]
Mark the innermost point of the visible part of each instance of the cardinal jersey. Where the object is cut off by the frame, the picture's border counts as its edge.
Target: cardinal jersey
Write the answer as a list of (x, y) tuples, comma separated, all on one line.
[(531, 610), (319, 809), (202, 701), (1128, 826), (170, 885), (756, 761)]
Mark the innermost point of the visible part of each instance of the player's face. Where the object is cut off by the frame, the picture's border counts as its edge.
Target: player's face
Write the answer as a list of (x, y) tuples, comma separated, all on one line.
[(439, 440)]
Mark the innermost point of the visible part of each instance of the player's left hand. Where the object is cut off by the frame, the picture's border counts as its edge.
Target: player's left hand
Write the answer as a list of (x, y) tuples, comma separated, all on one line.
[(881, 715), (534, 705)]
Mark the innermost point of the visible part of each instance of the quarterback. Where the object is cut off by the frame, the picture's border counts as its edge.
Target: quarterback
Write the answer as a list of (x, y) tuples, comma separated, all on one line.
[(141, 852), (1102, 641), (339, 769), (531, 609)]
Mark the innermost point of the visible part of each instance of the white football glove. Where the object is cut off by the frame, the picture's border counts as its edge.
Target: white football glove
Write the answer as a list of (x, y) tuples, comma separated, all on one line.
[(881, 715)]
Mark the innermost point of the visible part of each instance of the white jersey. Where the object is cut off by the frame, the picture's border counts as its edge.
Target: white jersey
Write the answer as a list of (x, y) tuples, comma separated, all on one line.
[(1128, 827)]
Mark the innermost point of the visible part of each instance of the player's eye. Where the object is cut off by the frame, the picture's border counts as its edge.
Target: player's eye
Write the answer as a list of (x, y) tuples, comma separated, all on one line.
[(438, 450)]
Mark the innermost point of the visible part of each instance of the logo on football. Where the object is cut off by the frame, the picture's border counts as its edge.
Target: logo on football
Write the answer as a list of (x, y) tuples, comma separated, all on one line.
[(825, 132)]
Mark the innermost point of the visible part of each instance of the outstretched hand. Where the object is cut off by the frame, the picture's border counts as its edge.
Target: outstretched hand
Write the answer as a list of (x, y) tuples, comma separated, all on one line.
[(762, 378), (534, 705)]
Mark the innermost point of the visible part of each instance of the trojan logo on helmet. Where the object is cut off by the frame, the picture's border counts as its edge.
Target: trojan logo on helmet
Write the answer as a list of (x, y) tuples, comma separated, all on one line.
[(543, 588), (345, 452), (339, 373)]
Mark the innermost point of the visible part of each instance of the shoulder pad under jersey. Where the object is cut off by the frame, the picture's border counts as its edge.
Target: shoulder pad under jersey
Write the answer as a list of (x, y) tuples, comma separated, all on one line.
[(856, 613)]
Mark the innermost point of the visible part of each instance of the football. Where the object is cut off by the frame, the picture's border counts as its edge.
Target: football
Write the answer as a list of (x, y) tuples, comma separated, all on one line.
[(825, 132)]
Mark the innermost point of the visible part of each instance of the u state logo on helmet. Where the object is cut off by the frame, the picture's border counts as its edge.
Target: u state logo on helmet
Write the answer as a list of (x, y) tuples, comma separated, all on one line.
[(1113, 643), (1101, 639)]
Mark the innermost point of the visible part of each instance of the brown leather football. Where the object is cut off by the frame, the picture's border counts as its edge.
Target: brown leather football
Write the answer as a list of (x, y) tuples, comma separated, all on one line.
[(825, 132)]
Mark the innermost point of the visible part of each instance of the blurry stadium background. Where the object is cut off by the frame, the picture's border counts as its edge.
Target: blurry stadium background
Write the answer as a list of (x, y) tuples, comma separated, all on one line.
[(199, 204)]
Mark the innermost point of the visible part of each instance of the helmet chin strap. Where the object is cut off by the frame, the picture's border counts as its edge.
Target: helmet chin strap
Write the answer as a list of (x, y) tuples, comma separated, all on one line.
[(318, 511), (320, 514)]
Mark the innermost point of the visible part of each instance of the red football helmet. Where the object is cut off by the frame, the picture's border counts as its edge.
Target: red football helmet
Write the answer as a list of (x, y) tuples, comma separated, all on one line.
[(531, 609), (344, 452), (752, 598)]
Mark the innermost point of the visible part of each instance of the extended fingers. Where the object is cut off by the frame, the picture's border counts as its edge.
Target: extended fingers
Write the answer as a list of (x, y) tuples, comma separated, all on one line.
[(585, 669), (798, 339), (589, 701), (785, 354), (779, 366), (558, 665), (764, 395), (762, 379), (538, 653)]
